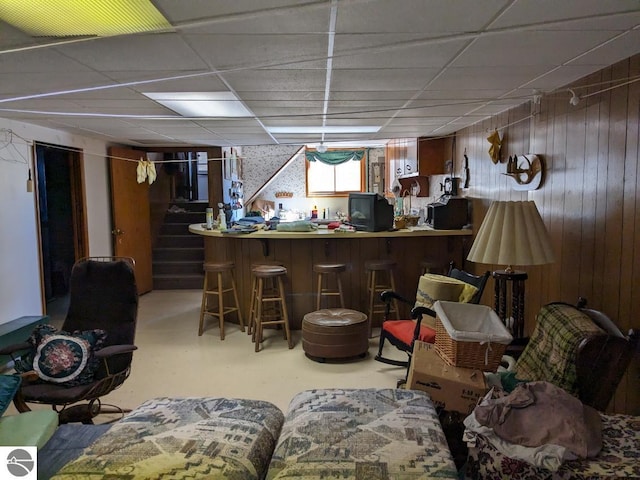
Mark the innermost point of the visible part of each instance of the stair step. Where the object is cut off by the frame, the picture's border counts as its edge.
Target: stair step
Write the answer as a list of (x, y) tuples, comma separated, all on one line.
[(180, 241), (161, 254), (175, 229), (185, 217), (178, 282), (192, 206), (177, 268)]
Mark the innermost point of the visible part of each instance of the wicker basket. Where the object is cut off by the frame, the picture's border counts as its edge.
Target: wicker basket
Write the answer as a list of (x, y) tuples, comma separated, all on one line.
[(472, 348)]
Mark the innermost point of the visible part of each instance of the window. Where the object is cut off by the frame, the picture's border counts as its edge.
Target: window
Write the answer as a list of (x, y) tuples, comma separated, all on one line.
[(337, 179)]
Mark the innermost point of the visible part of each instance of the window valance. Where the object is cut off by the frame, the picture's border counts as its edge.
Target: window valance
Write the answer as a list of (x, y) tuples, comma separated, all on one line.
[(334, 157)]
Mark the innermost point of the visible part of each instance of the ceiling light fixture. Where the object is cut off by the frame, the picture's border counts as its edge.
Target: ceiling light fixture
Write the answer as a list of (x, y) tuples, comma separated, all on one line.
[(83, 17), (202, 104), (324, 129), (322, 147), (575, 99)]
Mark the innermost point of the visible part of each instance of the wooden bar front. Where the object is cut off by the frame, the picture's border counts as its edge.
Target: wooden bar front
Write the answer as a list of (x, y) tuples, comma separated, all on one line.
[(299, 251)]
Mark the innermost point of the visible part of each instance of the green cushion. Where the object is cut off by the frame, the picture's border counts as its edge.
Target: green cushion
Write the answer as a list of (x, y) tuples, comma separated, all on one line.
[(28, 429)]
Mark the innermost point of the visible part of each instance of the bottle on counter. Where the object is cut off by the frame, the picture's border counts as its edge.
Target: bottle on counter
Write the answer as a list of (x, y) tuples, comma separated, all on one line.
[(222, 219), (314, 212), (209, 218)]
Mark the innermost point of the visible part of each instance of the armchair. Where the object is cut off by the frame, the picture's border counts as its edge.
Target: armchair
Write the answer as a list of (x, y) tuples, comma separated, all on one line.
[(403, 333), (582, 351), (91, 355)]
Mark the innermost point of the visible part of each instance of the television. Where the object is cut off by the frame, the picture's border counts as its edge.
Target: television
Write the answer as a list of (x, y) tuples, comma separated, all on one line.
[(370, 212)]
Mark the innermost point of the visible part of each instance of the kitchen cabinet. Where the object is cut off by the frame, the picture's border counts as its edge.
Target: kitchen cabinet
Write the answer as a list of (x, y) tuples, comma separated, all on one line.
[(412, 160)]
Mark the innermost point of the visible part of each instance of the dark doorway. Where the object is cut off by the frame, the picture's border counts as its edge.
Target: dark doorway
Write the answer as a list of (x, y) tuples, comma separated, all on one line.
[(61, 216)]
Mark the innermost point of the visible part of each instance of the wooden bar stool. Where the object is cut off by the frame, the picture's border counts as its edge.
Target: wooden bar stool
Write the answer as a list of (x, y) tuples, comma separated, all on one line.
[(270, 286), (263, 298), (214, 276), (326, 271), (379, 278)]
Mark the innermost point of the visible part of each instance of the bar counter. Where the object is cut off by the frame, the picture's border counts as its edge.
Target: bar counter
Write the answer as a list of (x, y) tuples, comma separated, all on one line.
[(299, 251)]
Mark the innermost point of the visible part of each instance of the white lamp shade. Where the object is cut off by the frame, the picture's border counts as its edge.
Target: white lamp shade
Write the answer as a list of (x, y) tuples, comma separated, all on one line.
[(512, 233)]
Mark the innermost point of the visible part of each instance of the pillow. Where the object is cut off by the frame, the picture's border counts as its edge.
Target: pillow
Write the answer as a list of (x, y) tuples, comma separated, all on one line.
[(63, 357), (432, 287)]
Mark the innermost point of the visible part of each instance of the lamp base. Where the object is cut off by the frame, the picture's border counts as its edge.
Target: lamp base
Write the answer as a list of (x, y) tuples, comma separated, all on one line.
[(514, 317)]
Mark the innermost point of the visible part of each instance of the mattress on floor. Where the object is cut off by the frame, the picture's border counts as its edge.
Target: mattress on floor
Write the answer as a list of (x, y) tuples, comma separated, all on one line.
[(362, 434), (619, 457), (184, 438)]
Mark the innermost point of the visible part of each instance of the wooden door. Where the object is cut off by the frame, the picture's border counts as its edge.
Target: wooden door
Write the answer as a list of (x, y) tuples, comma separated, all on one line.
[(131, 214)]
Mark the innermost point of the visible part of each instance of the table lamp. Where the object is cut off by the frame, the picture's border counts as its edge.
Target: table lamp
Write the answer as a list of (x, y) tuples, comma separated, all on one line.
[(512, 233)]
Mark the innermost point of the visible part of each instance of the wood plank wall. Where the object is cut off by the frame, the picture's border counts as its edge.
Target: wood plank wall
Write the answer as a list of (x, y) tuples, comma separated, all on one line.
[(588, 198)]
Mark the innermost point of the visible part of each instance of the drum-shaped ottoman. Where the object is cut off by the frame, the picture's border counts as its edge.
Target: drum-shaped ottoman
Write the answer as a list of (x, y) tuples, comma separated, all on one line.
[(335, 333)]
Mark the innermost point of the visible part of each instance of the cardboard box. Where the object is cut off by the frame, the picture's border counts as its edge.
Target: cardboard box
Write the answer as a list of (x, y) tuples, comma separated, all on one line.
[(452, 388)]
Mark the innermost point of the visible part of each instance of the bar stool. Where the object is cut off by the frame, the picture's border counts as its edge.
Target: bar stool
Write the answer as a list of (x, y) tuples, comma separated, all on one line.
[(214, 276), (270, 285), (264, 298), (380, 278), (325, 271)]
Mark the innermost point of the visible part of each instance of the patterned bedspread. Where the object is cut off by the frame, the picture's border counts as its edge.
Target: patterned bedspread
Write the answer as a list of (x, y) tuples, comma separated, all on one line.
[(184, 438), (619, 457), (366, 434)]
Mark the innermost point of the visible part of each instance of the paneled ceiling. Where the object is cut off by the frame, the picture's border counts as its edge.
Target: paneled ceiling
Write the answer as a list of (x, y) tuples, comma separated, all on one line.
[(410, 67)]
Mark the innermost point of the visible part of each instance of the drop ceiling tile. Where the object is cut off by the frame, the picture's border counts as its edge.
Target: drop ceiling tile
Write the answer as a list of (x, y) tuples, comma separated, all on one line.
[(248, 52), (412, 79), (396, 56), (611, 52), (546, 48), (263, 16), (137, 51), (560, 77), (486, 77), (416, 16), (525, 12), (276, 80)]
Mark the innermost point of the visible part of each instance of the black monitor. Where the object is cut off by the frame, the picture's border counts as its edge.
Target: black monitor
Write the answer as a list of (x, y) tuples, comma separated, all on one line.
[(370, 212)]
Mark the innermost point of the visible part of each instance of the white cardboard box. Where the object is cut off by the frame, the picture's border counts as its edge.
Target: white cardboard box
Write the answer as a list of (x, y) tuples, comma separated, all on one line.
[(452, 388)]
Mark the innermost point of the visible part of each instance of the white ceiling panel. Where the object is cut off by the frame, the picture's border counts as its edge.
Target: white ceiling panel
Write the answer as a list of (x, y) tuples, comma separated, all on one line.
[(412, 67)]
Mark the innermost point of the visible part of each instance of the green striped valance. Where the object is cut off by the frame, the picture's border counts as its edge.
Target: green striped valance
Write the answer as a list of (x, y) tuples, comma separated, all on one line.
[(334, 157)]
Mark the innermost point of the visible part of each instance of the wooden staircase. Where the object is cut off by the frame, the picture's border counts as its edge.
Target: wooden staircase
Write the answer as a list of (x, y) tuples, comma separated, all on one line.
[(178, 254)]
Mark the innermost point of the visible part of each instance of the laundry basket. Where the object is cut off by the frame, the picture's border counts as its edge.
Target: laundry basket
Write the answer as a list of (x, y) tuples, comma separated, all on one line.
[(470, 335)]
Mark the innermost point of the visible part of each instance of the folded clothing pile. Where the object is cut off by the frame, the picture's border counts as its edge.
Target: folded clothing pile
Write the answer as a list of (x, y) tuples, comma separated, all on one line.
[(297, 226), (512, 423)]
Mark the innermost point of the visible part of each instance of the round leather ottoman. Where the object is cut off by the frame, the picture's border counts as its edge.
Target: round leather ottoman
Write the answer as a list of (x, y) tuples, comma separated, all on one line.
[(335, 333)]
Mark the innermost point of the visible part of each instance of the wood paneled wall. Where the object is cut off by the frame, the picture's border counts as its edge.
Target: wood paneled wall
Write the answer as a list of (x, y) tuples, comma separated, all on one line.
[(588, 198)]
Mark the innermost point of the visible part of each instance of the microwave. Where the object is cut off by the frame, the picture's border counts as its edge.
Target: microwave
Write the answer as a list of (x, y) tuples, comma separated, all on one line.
[(448, 213)]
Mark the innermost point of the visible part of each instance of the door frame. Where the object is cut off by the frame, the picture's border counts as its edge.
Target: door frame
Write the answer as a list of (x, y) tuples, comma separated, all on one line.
[(75, 157)]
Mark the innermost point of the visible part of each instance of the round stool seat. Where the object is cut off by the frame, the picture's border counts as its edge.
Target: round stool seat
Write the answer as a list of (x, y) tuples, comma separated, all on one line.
[(379, 264), (329, 267), (218, 266), (335, 333), (268, 271)]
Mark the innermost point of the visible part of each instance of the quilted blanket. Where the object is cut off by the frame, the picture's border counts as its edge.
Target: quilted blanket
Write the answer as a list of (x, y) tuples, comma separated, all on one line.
[(365, 434), (184, 438)]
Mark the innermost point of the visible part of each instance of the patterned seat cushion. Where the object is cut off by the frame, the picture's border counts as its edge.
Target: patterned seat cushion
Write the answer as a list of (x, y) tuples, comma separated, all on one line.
[(362, 434), (206, 438), (617, 459)]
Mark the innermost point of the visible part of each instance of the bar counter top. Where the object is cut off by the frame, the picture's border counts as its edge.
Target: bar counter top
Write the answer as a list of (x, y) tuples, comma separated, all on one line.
[(323, 233)]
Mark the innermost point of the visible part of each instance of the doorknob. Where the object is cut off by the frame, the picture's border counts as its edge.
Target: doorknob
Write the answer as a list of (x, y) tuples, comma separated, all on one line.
[(116, 231)]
